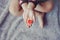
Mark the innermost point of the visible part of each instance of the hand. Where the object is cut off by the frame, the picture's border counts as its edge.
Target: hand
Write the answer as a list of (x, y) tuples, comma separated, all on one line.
[(28, 13), (40, 17), (14, 8)]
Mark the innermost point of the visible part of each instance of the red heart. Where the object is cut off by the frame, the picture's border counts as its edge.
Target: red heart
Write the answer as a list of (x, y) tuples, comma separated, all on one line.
[(30, 22)]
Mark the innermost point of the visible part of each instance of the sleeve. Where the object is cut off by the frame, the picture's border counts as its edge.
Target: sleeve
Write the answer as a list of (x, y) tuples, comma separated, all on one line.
[(41, 1)]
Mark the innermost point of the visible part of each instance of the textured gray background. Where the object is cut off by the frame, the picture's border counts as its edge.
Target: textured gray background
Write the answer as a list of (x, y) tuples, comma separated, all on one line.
[(13, 28)]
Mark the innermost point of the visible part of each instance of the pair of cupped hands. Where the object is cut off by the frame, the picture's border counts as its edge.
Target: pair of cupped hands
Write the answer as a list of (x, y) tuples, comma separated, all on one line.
[(30, 13)]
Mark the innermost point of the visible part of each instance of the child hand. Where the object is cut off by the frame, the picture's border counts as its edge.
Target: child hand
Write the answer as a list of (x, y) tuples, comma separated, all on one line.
[(28, 17), (40, 17), (28, 14)]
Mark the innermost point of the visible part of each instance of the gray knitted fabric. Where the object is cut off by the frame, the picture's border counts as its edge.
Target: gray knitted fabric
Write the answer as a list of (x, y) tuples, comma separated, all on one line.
[(13, 28)]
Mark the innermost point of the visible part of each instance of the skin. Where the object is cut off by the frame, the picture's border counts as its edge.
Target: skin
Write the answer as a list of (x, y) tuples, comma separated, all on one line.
[(44, 7), (14, 8), (27, 10), (40, 18)]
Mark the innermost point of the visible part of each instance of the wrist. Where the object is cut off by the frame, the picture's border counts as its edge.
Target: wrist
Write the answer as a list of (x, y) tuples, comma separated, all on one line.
[(31, 5), (24, 6)]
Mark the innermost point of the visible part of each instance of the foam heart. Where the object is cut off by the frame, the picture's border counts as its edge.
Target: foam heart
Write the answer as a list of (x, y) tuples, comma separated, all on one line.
[(30, 22)]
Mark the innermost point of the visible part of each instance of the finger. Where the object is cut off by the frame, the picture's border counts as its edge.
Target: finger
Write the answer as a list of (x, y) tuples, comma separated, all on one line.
[(32, 15), (26, 18), (25, 15), (30, 19), (34, 19), (40, 19)]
